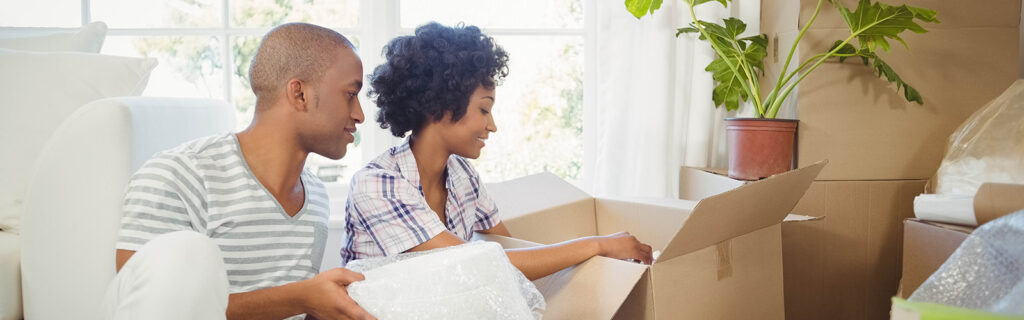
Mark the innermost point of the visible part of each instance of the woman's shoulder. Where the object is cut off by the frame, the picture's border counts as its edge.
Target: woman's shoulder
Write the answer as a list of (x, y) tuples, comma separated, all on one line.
[(378, 178), (464, 167)]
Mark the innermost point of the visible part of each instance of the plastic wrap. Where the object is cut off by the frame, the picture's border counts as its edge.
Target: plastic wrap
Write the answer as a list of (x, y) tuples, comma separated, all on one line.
[(470, 281), (985, 273), (987, 147)]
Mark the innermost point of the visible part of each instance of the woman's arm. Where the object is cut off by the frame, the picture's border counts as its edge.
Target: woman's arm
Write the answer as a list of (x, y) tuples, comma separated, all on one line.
[(538, 262)]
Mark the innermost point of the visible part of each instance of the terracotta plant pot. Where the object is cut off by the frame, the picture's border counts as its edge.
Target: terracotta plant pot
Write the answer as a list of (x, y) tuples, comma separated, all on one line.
[(759, 148)]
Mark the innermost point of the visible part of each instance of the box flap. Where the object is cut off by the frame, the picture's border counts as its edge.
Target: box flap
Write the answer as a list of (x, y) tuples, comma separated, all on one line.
[(995, 200), (544, 208), (797, 218), (533, 193), (741, 210), (699, 183), (652, 220), (593, 289)]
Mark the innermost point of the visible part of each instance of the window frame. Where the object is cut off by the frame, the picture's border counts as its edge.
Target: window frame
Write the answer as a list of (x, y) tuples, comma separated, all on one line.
[(374, 33)]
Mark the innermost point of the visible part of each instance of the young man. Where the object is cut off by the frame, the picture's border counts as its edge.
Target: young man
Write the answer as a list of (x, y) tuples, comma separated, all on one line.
[(232, 225)]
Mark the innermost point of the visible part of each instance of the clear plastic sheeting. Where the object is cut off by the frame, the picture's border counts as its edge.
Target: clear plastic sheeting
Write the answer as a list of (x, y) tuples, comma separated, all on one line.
[(988, 146), (469, 281), (985, 273)]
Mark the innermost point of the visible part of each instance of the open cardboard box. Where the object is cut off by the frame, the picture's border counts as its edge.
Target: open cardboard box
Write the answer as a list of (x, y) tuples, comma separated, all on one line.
[(840, 252), (720, 257)]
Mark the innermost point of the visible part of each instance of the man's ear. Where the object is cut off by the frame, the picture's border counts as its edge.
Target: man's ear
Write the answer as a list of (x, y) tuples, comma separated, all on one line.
[(295, 94)]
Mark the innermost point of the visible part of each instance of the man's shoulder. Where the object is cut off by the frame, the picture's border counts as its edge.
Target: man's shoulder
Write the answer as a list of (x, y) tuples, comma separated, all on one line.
[(187, 158), (201, 147)]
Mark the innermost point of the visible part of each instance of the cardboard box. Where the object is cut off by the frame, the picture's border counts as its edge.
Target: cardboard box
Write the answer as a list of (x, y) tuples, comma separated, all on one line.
[(866, 129), (847, 265), (844, 264), (720, 257), (926, 246)]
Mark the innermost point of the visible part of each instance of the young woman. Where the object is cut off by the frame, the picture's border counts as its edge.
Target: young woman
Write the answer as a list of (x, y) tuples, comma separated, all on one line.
[(439, 84)]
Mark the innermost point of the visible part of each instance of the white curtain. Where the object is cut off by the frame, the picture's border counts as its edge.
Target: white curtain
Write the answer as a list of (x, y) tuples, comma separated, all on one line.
[(653, 111)]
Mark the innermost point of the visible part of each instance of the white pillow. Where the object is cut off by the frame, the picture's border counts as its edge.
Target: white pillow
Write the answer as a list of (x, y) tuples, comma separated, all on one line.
[(89, 38), (40, 90)]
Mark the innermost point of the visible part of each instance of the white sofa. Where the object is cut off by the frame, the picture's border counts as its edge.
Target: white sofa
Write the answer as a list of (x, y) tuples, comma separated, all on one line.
[(68, 150), (47, 75), (73, 203)]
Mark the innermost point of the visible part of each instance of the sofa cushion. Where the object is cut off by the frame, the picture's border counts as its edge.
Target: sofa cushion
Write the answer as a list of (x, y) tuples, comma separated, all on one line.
[(41, 89), (89, 38), (10, 276)]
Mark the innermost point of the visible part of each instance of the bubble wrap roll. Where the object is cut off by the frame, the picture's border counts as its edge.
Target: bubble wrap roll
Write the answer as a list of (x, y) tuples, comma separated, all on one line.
[(470, 281), (985, 273)]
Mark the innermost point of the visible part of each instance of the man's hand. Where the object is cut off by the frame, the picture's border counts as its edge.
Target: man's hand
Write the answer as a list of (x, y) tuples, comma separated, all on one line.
[(327, 296), (624, 246)]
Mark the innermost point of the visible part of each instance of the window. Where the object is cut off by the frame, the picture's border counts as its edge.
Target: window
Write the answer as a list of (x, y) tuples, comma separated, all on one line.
[(204, 48)]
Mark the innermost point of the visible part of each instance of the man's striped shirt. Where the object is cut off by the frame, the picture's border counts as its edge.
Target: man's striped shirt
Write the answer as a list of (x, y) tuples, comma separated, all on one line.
[(206, 186)]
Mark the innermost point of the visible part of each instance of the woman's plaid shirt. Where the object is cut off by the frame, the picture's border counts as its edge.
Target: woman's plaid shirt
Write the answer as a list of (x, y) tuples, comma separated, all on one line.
[(387, 214)]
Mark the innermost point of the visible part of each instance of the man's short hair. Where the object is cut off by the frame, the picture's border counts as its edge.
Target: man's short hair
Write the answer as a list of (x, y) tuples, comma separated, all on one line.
[(292, 51)]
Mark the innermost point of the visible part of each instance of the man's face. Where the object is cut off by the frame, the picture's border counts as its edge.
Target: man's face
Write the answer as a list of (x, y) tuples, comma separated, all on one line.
[(334, 110), (466, 136)]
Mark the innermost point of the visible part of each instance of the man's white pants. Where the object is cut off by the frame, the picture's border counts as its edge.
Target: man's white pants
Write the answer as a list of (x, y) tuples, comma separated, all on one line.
[(179, 275)]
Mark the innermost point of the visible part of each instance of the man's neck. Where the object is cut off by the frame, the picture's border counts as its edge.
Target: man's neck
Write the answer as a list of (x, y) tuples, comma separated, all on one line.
[(431, 159), (275, 159)]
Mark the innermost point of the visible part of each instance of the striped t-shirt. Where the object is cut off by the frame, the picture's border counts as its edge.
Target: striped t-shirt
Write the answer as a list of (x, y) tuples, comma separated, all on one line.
[(206, 186)]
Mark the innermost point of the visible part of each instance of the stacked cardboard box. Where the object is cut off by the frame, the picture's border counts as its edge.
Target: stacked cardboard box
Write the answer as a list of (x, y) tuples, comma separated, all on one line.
[(926, 246), (881, 148)]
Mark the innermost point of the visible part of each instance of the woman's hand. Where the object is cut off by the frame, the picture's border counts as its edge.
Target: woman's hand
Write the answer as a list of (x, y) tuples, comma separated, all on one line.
[(624, 246)]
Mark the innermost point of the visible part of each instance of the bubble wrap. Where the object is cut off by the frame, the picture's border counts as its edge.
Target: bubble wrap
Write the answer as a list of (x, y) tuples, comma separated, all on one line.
[(469, 281), (987, 147), (985, 273)]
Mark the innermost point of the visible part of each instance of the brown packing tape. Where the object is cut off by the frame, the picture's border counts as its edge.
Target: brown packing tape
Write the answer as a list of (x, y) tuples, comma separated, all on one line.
[(724, 260), (995, 200)]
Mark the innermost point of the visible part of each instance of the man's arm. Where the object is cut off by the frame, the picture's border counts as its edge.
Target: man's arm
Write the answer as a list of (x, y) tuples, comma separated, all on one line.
[(324, 296), (538, 262)]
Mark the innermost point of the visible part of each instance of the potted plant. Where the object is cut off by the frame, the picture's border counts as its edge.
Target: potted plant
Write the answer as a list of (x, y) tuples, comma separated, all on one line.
[(763, 146)]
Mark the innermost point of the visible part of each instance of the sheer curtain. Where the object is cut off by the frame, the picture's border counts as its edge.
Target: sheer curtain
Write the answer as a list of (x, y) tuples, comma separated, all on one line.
[(653, 111)]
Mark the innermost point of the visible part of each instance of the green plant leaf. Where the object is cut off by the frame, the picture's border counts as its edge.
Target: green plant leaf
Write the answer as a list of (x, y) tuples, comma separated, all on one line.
[(760, 40), (881, 68), (694, 3), (728, 89), (639, 8), (874, 24), (884, 69), (687, 30)]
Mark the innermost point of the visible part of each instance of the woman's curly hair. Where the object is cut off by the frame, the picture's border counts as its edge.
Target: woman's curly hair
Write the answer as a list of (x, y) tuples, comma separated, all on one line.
[(432, 72)]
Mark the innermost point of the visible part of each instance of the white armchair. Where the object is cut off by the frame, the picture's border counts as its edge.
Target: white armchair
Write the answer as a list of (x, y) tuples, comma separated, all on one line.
[(73, 203)]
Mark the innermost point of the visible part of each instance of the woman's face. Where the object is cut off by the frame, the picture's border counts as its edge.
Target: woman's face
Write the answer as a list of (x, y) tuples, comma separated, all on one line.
[(467, 136)]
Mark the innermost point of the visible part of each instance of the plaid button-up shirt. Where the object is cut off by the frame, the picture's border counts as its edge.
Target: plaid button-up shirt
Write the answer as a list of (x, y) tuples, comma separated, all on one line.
[(387, 214)]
